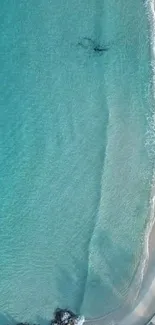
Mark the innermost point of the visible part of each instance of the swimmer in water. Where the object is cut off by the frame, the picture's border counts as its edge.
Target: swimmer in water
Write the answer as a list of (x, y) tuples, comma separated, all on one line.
[(89, 44)]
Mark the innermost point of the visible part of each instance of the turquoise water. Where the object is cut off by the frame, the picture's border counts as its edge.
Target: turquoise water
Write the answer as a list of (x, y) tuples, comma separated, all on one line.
[(75, 172)]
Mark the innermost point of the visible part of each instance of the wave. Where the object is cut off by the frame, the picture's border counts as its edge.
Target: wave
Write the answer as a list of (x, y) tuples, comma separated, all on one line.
[(139, 276), (138, 279), (150, 144), (150, 137)]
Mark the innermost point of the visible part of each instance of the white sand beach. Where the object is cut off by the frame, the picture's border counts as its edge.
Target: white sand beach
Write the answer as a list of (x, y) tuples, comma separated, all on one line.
[(144, 307)]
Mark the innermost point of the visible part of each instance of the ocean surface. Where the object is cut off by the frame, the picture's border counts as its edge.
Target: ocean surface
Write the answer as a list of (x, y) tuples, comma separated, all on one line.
[(76, 158)]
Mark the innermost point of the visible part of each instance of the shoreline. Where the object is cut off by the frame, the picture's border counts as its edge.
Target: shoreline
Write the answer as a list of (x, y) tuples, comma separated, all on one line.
[(143, 308)]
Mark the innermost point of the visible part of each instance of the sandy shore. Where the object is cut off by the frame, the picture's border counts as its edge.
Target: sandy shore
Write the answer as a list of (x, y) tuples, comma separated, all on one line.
[(144, 308)]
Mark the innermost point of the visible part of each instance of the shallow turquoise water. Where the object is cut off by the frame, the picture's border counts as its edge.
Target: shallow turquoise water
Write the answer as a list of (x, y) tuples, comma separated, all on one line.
[(75, 171)]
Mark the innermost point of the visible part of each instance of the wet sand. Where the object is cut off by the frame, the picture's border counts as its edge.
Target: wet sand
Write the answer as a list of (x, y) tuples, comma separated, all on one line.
[(144, 307)]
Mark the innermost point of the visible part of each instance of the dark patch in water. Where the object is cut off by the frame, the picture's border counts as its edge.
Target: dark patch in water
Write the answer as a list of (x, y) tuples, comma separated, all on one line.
[(61, 317), (90, 44)]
